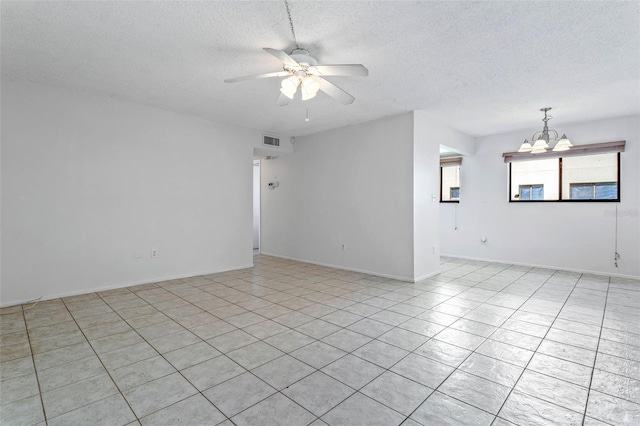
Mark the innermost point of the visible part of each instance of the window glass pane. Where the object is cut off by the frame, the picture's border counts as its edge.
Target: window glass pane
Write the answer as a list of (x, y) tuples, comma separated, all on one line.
[(590, 177), (582, 191), (606, 191), (525, 192), (539, 176), (537, 192), (450, 181)]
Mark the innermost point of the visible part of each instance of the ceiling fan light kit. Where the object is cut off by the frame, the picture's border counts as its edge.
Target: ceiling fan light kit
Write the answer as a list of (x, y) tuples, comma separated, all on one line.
[(308, 86), (302, 70), (544, 138)]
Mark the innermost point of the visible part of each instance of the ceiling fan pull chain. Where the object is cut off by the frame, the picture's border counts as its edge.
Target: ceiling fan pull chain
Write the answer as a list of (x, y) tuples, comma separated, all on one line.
[(286, 3)]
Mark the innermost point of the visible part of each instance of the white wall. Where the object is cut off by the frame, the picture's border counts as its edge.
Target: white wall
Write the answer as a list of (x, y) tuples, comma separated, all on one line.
[(428, 136), (373, 187), (576, 236), (352, 186), (90, 185)]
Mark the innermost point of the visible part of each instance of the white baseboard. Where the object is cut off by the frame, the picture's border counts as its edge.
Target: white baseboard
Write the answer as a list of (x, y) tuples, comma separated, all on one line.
[(122, 285), (345, 268), (535, 265), (424, 277)]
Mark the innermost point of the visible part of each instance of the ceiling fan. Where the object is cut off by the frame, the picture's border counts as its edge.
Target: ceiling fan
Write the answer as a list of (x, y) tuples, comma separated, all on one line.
[(303, 71)]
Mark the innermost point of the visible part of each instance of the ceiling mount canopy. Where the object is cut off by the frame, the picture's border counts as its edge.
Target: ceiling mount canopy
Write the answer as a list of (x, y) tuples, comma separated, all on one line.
[(541, 140), (301, 70)]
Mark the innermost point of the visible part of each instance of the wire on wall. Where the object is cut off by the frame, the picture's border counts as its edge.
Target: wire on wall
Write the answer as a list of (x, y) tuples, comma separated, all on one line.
[(34, 300), (455, 217), (616, 255)]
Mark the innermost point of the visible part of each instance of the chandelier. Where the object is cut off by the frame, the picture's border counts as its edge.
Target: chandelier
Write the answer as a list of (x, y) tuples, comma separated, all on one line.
[(541, 140)]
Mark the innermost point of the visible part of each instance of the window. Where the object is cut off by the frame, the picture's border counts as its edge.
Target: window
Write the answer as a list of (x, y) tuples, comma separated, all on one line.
[(536, 180), (531, 192), (450, 180), (592, 177), (582, 177)]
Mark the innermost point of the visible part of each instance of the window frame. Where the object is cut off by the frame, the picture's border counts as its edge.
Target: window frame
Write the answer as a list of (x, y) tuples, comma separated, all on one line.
[(449, 161), (560, 200)]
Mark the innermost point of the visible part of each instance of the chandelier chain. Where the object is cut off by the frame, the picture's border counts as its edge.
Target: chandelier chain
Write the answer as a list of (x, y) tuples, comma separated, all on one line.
[(286, 3)]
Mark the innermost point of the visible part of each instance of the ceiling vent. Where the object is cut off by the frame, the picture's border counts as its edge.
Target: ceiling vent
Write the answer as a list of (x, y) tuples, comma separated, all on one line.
[(270, 140)]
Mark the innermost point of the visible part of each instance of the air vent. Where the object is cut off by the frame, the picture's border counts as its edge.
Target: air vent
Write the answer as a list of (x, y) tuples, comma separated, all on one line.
[(270, 140)]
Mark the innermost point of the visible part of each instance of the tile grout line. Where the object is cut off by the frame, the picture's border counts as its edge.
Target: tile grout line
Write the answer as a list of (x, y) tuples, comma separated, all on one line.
[(237, 328), (397, 326), (485, 338), (595, 358), (33, 361), (101, 363), (449, 297), (474, 351), (538, 347), (319, 370), (415, 315), (379, 286), (224, 354), (144, 339), (356, 391), (163, 357), (489, 337)]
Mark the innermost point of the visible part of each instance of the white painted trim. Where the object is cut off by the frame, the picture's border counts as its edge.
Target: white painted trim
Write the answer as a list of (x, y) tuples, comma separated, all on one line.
[(424, 277), (121, 285), (534, 265), (344, 268)]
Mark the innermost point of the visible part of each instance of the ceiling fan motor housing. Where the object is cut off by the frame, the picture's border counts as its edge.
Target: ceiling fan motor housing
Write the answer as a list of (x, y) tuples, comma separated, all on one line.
[(303, 57)]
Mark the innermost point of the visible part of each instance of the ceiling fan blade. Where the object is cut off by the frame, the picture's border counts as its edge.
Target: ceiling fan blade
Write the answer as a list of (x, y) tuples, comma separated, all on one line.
[(257, 76), (334, 91), (283, 56), (282, 100), (342, 69)]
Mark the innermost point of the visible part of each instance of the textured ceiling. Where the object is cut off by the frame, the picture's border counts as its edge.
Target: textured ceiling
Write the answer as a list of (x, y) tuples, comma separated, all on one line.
[(481, 67)]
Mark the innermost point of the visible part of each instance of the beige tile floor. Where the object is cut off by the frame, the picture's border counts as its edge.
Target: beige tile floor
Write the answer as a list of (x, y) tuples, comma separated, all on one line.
[(290, 343)]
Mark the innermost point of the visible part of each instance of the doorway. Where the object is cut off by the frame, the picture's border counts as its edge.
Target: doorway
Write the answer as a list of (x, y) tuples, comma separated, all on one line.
[(256, 207)]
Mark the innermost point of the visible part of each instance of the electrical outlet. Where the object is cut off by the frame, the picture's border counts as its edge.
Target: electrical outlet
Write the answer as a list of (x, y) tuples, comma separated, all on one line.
[(154, 252)]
